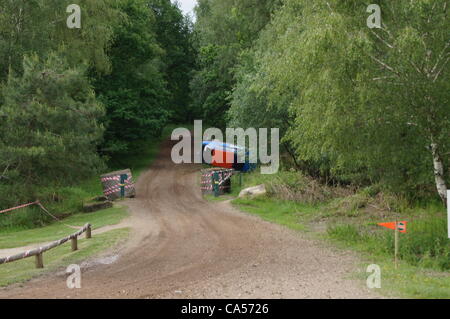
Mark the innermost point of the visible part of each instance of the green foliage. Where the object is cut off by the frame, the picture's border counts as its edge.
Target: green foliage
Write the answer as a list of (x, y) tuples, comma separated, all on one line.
[(135, 92), (36, 26), (425, 244), (295, 186), (48, 128), (49, 114), (15, 235), (137, 54), (174, 35), (150, 58), (65, 202), (61, 256), (142, 153), (26, 218), (255, 100), (359, 104), (285, 213), (224, 29)]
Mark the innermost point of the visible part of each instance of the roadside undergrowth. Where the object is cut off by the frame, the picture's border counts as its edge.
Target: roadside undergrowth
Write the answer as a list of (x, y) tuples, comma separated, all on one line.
[(349, 219)]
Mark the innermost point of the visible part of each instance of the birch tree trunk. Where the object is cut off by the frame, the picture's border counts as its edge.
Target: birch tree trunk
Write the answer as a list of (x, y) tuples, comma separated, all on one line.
[(439, 173)]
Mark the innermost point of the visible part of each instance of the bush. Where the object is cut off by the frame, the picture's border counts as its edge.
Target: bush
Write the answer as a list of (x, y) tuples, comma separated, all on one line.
[(350, 205), (60, 201), (367, 201), (297, 187), (26, 218), (426, 243), (48, 129)]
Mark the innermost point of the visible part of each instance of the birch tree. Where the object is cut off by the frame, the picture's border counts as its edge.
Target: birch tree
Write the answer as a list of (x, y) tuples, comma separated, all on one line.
[(384, 92), (371, 105), (412, 53)]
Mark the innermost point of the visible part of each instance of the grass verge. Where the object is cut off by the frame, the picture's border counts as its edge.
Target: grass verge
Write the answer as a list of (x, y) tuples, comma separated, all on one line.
[(350, 222), (12, 238), (62, 256), (286, 213)]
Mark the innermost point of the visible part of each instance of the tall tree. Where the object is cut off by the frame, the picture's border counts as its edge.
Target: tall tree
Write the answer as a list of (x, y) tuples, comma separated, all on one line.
[(38, 26), (223, 30), (151, 59), (135, 92), (174, 35), (372, 103), (48, 128), (48, 111)]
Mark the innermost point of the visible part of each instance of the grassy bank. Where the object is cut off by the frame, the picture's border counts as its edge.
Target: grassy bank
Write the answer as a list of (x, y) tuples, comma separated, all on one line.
[(348, 219), (11, 238), (61, 256), (286, 213)]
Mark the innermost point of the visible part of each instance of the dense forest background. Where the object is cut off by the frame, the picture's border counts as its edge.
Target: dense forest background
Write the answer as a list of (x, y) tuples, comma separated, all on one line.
[(355, 106), (73, 99)]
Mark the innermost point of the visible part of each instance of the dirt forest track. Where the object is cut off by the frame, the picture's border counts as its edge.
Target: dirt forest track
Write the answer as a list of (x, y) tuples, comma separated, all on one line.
[(182, 246)]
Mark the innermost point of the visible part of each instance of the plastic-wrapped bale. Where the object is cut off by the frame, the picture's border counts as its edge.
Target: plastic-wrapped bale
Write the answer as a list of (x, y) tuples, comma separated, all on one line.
[(224, 181), (112, 184)]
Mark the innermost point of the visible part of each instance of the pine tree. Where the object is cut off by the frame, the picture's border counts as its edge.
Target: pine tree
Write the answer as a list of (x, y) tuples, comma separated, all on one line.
[(48, 126)]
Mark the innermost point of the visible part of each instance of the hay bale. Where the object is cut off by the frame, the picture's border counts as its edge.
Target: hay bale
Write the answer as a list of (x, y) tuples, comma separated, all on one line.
[(111, 184)]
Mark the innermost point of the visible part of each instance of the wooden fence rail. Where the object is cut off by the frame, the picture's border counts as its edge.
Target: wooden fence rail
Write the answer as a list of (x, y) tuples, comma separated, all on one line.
[(38, 252)]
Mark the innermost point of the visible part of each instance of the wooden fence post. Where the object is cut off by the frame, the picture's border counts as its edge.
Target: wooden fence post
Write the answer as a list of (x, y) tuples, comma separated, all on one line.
[(39, 252), (39, 261), (74, 243), (396, 244)]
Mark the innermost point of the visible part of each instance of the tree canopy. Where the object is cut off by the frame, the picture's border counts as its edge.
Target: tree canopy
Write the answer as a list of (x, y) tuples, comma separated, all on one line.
[(72, 97), (224, 29), (358, 105)]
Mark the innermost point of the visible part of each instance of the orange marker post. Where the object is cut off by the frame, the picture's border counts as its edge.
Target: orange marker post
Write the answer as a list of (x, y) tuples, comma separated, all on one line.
[(396, 245), (401, 226), (398, 227)]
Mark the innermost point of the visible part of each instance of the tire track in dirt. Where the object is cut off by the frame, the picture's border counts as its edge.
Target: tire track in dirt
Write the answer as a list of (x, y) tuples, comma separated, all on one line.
[(185, 247)]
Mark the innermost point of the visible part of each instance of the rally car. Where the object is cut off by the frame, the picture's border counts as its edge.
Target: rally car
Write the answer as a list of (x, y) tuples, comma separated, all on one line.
[(228, 156)]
